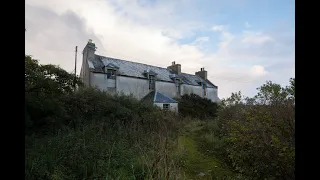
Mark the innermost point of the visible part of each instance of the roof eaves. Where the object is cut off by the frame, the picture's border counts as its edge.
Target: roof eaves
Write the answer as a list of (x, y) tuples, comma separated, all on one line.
[(155, 96)]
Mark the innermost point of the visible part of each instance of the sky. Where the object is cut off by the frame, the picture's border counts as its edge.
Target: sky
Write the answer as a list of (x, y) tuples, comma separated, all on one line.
[(240, 43)]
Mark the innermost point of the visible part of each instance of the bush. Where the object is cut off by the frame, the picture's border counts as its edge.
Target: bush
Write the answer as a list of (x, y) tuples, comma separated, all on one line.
[(85, 133), (195, 106), (260, 132)]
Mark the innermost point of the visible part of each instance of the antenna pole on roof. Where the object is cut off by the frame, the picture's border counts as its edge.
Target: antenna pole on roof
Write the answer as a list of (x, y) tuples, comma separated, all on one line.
[(75, 68)]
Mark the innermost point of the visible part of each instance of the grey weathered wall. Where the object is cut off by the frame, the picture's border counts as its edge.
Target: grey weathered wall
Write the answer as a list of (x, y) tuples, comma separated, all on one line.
[(188, 89), (88, 53), (99, 80), (166, 88), (84, 75), (138, 87), (212, 93)]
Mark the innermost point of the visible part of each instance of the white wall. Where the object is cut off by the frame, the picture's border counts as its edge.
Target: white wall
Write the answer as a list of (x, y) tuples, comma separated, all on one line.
[(99, 80), (212, 93), (188, 89), (85, 73), (138, 87), (173, 106), (166, 88), (111, 83)]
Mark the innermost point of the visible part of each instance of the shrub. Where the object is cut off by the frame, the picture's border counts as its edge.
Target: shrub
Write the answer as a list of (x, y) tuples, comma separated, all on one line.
[(195, 106), (260, 132)]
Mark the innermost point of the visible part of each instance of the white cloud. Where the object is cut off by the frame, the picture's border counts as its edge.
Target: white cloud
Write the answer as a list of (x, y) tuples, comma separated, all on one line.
[(199, 41), (247, 25), (226, 37), (146, 33), (258, 70), (255, 37), (218, 28)]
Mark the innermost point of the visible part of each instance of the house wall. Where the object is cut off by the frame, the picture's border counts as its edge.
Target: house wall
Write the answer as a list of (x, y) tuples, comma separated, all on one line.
[(137, 87), (99, 80), (166, 88), (212, 93), (85, 74), (188, 89), (140, 87), (88, 53), (173, 106)]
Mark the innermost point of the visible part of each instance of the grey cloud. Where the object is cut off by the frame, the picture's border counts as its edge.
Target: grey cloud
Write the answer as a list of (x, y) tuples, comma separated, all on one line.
[(52, 38)]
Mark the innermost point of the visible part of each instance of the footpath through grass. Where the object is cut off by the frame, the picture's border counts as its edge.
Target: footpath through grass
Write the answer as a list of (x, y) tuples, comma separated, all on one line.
[(197, 164)]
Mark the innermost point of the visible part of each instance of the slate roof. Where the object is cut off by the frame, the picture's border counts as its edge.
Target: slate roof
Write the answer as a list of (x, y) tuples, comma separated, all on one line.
[(158, 97), (134, 69)]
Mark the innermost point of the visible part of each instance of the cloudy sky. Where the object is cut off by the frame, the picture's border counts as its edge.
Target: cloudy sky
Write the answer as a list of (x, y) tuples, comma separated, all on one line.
[(241, 43)]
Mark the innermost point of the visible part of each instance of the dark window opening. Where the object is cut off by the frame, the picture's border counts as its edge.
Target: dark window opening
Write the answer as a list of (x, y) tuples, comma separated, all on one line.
[(152, 83), (166, 106), (111, 73)]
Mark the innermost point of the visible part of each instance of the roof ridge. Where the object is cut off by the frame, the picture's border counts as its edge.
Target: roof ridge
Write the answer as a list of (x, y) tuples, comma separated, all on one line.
[(131, 61), (142, 63)]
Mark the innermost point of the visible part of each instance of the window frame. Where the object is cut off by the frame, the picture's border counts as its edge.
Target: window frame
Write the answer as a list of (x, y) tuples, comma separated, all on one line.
[(111, 73), (167, 106)]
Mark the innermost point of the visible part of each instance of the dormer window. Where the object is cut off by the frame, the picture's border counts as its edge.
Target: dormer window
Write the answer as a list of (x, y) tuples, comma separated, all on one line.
[(151, 76), (111, 73), (111, 70)]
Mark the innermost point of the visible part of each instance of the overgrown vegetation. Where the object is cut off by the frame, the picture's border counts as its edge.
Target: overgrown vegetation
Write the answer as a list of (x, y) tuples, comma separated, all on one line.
[(257, 135), (89, 134), (197, 107)]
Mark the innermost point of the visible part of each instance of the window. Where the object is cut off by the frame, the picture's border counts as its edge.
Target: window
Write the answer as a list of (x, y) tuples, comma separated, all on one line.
[(111, 73), (152, 83), (166, 106)]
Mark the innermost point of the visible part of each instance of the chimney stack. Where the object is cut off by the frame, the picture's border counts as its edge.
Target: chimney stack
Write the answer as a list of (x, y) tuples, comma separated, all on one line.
[(89, 50), (202, 73), (175, 68)]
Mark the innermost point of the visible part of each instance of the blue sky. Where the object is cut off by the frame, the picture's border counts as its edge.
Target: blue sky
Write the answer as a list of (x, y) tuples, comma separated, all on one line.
[(241, 43)]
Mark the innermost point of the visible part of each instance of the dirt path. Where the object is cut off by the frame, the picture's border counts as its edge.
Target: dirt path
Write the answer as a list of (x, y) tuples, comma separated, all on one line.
[(198, 165)]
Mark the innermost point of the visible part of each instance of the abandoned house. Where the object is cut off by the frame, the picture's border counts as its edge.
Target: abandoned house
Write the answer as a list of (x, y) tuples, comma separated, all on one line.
[(142, 80)]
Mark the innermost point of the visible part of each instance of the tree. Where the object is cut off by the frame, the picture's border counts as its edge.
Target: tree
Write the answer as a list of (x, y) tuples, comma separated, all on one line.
[(45, 88), (260, 131)]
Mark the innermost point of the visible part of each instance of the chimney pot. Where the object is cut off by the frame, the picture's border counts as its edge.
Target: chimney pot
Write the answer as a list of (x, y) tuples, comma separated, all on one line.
[(202, 73), (176, 68)]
